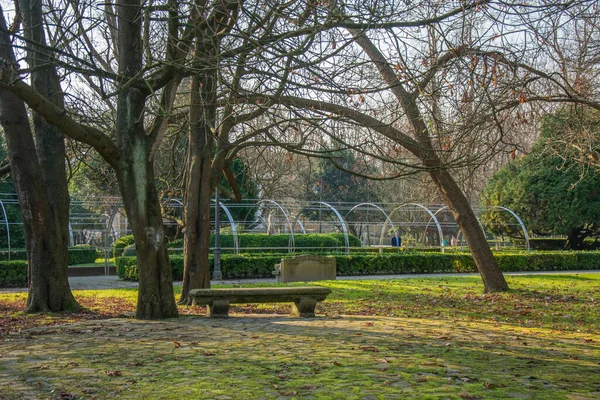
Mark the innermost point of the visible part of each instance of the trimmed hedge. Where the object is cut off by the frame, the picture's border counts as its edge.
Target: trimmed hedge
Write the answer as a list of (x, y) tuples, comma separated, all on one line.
[(278, 242), (260, 266), (120, 244), (80, 254), (557, 243), (13, 273)]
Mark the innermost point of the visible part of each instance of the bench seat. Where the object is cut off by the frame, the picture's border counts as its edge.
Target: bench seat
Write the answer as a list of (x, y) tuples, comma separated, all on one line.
[(304, 299)]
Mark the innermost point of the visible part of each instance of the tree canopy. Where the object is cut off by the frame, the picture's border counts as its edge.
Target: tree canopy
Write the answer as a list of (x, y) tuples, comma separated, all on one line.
[(549, 192)]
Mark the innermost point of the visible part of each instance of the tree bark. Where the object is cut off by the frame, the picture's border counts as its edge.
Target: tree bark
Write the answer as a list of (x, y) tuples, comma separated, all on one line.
[(198, 188), (135, 173), (50, 148), (487, 266), (493, 279), (156, 299), (47, 289)]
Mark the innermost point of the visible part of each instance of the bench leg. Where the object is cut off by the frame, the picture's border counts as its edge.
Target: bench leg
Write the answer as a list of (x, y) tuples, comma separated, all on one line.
[(304, 307), (218, 309)]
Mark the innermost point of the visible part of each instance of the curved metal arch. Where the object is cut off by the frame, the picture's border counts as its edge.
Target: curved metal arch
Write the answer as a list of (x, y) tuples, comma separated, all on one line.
[(387, 217), (300, 224), (236, 242), (432, 215), (511, 212), (448, 207), (71, 236), (292, 243), (7, 227), (342, 221)]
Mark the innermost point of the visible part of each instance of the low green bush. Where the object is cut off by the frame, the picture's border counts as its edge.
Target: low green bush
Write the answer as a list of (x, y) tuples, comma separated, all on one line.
[(278, 243), (120, 244), (80, 254), (13, 273), (549, 244), (129, 251), (261, 265)]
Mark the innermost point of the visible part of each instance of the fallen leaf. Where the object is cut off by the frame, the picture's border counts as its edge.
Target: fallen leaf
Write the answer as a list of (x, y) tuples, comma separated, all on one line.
[(370, 348), (134, 364), (491, 385)]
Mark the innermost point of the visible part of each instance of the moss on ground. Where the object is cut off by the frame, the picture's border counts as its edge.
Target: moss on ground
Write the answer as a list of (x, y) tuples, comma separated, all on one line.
[(413, 338)]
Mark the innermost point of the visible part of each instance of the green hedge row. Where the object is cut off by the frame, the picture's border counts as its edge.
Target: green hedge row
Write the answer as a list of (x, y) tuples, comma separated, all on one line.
[(557, 243), (80, 254), (258, 240), (261, 240), (240, 267), (120, 244), (13, 273)]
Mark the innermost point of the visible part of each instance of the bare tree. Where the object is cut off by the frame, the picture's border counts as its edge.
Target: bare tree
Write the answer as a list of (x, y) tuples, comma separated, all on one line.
[(39, 171)]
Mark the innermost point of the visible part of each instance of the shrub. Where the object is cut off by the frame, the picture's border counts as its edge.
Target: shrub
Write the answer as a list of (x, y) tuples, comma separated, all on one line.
[(129, 251), (278, 243), (82, 254), (120, 244), (13, 273), (261, 265), (127, 268)]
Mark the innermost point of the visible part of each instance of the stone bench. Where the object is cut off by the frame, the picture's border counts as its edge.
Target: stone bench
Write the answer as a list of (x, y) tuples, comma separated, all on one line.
[(305, 268), (303, 299)]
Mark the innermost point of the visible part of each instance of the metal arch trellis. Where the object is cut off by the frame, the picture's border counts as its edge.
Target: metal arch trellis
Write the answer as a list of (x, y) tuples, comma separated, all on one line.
[(292, 242), (342, 221), (236, 242), (388, 219), (448, 207), (511, 212), (432, 215), (300, 224), (7, 227)]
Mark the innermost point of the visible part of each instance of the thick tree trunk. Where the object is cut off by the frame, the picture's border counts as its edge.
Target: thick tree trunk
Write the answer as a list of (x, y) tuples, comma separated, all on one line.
[(575, 239), (50, 147), (48, 260), (197, 195), (156, 298), (465, 217), (135, 172), (486, 264), (48, 285)]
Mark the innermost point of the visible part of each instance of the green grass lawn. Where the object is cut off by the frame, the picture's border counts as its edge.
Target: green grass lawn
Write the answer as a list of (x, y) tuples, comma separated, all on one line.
[(411, 338)]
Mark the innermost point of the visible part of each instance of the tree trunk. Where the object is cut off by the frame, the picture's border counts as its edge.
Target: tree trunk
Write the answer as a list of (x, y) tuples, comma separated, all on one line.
[(48, 284), (135, 172), (48, 289), (197, 194), (156, 298), (486, 264), (575, 239), (50, 148)]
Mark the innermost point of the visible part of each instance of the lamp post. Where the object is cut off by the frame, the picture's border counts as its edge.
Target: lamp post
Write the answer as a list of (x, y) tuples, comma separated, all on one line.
[(320, 201), (217, 255)]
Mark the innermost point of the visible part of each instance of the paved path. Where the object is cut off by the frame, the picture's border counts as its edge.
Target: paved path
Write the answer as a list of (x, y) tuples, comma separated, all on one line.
[(113, 282)]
